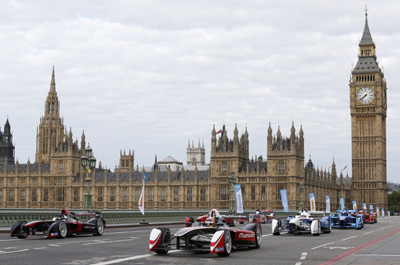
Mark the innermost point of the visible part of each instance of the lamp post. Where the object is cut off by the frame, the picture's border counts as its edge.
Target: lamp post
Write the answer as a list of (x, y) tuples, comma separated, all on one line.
[(301, 189), (232, 181), (88, 162)]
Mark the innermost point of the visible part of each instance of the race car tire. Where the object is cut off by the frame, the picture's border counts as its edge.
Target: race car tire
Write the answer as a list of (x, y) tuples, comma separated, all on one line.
[(330, 227), (20, 229), (99, 227), (165, 236), (227, 245), (362, 223), (258, 237), (62, 230)]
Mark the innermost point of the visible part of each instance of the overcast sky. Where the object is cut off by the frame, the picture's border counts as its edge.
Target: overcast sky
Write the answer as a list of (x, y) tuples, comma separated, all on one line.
[(150, 75)]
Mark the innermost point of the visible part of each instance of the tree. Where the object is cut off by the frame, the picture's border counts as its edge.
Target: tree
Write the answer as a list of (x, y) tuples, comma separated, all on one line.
[(394, 202)]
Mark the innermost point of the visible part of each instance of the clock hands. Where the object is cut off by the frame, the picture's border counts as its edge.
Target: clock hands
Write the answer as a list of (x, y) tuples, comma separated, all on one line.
[(364, 96)]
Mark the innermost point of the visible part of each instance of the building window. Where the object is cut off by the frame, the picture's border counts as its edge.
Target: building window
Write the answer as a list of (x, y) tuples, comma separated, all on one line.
[(76, 195), (60, 180), (137, 195), (203, 194), (242, 187), (23, 181), (1, 181), (176, 194), (34, 181), (253, 193), (1, 195), (189, 194), (46, 195), (11, 181), (61, 166), (46, 181), (34, 195), (163, 195), (125, 195), (223, 193), (100, 195), (279, 187), (150, 195), (23, 195), (60, 195), (224, 167), (263, 197), (11, 196), (112, 195), (281, 166)]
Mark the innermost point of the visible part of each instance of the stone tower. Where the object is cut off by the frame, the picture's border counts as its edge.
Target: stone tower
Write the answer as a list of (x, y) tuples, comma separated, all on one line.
[(6, 145), (285, 159), (196, 156), (51, 130), (368, 108), (126, 161)]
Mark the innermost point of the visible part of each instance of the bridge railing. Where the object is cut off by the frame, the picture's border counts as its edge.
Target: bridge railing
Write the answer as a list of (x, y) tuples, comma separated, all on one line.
[(9, 216)]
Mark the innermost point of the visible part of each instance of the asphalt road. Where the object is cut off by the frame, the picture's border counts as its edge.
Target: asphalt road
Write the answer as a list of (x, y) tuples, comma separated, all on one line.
[(375, 244)]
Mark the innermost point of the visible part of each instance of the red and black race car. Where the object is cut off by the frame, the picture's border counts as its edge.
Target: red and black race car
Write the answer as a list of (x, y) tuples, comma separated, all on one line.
[(228, 219), (369, 218), (212, 235), (60, 226)]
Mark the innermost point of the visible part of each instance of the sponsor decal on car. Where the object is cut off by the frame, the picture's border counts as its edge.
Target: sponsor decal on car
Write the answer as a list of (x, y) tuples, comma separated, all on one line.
[(219, 249), (243, 235)]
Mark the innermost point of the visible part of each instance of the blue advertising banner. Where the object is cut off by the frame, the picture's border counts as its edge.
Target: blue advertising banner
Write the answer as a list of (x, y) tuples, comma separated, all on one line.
[(328, 204), (364, 206), (239, 198), (342, 203), (285, 202), (354, 205), (371, 208), (377, 210), (388, 212), (383, 212)]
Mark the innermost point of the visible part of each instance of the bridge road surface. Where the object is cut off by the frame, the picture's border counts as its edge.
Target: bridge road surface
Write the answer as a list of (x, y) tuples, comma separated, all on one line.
[(374, 244)]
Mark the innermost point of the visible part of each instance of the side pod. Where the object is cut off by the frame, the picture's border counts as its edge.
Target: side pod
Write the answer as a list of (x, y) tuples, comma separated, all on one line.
[(155, 238), (218, 242), (275, 227)]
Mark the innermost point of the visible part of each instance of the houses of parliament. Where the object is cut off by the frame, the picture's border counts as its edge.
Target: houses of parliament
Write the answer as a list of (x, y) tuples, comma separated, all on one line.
[(56, 179)]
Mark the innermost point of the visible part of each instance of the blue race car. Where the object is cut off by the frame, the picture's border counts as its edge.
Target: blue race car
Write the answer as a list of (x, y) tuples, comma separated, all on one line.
[(347, 219), (302, 223)]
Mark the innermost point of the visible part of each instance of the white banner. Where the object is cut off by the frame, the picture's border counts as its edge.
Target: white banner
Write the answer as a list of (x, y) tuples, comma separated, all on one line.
[(328, 204), (141, 198), (239, 199)]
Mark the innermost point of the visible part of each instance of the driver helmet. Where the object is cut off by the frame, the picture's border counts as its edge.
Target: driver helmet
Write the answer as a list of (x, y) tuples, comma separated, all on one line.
[(210, 222)]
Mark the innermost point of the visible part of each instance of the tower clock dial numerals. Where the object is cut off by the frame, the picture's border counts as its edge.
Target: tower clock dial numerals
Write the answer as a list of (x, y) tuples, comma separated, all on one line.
[(365, 95)]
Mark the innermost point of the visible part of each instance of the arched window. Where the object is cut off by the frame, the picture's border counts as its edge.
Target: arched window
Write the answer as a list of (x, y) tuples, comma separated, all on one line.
[(224, 167), (281, 166)]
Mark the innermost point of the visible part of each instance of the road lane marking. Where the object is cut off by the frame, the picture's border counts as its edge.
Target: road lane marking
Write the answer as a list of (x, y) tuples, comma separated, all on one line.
[(323, 245), (267, 235), (107, 242), (357, 249), (14, 251), (377, 255), (298, 263), (348, 238), (369, 232), (130, 258), (40, 248), (303, 255)]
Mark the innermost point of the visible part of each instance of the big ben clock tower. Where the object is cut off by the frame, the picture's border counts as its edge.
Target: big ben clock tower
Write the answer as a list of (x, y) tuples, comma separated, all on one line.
[(368, 126)]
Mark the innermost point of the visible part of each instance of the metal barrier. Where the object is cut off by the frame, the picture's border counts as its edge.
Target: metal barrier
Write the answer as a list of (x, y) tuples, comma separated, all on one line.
[(9, 216)]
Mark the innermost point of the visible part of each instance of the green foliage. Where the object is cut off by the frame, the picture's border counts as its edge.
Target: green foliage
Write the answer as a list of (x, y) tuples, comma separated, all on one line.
[(394, 202)]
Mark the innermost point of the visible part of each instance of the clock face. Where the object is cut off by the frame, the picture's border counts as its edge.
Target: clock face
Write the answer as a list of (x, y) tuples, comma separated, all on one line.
[(365, 95)]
